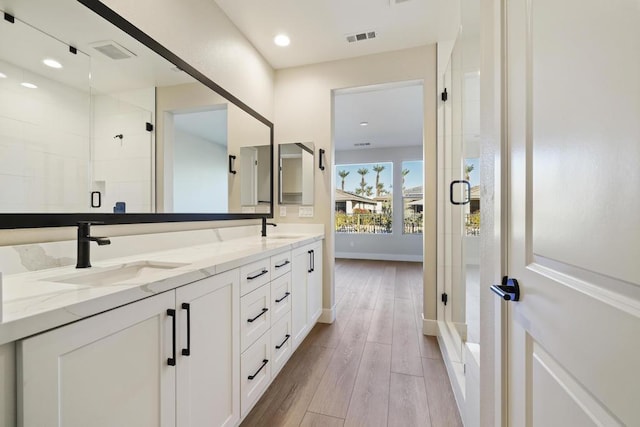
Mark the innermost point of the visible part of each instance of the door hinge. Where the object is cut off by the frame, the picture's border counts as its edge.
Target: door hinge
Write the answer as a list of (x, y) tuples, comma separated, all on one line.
[(148, 127), (444, 298), (444, 95)]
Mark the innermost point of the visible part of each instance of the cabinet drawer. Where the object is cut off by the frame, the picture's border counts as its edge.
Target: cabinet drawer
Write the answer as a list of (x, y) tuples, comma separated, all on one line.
[(280, 297), (255, 372), (254, 275), (255, 317), (281, 344), (280, 264)]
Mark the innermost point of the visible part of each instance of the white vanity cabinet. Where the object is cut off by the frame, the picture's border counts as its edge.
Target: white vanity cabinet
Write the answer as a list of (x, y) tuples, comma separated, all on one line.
[(171, 359), (306, 277), (7, 385)]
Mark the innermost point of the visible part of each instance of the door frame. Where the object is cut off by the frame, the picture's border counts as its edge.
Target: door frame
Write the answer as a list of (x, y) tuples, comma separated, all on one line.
[(494, 233)]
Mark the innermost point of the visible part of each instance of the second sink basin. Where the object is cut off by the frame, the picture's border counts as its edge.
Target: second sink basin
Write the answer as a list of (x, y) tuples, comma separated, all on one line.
[(100, 276)]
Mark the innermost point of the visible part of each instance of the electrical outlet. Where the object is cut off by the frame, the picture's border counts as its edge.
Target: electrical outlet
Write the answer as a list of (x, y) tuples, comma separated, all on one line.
[(283, 211)]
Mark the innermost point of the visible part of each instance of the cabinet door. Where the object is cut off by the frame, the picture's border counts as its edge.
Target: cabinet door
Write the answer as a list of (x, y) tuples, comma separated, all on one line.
[(208, 382), (107, 370), (299, 274), (314, 285)]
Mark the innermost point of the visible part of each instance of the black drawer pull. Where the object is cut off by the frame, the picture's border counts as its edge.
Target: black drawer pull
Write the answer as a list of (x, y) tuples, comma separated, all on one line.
[(286, 294), (187, 351), (262, 273), (172, 360), (278, 347), (264, 363), (264, 310), (283, 264)]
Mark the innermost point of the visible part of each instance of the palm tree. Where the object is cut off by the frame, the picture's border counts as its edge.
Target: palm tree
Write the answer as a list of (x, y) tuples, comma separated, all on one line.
[(467, 171), (405, 172), (380, 191), (363, 183), (343, 174), (377, 169), (369, 191)]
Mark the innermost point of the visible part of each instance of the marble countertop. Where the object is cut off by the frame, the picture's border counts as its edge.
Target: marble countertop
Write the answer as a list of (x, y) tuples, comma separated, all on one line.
[(37, 301)]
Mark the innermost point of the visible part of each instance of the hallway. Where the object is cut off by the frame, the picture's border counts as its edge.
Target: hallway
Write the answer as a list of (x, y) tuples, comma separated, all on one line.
[(372, 366)]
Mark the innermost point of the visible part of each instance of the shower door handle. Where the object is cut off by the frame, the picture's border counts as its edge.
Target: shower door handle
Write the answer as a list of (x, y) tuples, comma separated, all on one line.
[(466, 184)]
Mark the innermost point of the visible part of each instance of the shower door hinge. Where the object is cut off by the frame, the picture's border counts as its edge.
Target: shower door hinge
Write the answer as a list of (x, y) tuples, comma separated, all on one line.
[(444, 297)]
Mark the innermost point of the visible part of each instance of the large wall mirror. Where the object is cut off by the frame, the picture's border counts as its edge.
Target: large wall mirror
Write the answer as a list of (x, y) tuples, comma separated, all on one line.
[(100, 122)]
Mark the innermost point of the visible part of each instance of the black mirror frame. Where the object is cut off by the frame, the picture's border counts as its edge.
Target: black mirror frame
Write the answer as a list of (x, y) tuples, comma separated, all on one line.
[(38, 220)]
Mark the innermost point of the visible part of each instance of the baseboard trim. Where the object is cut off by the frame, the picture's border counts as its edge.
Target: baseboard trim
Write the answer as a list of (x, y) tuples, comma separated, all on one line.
[(328, 315), (379, 257), (430, 327)]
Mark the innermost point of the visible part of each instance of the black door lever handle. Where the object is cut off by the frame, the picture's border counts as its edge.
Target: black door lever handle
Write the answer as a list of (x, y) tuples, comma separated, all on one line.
[(509, 290)]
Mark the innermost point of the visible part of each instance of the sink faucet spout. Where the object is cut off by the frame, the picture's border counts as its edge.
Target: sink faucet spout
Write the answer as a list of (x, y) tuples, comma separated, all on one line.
[(264, 226), (84, 240)]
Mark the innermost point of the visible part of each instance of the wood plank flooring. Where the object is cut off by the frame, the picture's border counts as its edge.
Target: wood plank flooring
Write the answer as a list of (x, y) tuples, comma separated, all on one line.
[(372, 366)]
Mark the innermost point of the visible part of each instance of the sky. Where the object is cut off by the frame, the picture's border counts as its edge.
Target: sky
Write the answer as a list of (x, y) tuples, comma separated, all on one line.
[(352, 181)]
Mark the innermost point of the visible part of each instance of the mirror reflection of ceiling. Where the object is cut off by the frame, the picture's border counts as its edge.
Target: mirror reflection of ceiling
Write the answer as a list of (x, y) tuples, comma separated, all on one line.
[(393, 115), (78, 26), (210, 125)]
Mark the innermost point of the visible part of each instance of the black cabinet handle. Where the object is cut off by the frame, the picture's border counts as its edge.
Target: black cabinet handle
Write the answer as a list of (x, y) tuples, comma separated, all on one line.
[(264, 310), (320, 156), (232, 159), (255, 276), (187, 351), (286, 338), (172, 360), (283, 264), (313, 260), (286, 294), (264, 363), (309, 270)]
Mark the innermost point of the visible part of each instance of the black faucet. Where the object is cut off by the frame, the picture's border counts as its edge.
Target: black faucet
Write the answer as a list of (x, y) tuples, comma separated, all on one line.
[(84, 238), (264, 226)]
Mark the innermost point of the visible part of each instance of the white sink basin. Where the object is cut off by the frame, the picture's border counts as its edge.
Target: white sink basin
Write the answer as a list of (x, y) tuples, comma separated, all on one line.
[(100, 276)]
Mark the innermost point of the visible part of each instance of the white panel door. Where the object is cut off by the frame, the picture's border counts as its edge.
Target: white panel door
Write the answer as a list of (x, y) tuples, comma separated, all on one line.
[(573, 111), (107, 370), (208, 380), (299, 311), (314, 285)]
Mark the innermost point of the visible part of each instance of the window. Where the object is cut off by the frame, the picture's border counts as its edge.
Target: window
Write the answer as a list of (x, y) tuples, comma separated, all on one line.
[(364, 198), (412, 196), (472, 210)]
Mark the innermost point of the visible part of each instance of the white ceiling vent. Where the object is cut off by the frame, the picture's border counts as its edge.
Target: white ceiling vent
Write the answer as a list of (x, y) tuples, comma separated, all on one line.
[(362, 144), (112, 49), (358, 37)]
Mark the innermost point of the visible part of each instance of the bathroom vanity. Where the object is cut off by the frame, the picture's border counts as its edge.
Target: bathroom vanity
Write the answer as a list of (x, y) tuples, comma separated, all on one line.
[(189, 336)]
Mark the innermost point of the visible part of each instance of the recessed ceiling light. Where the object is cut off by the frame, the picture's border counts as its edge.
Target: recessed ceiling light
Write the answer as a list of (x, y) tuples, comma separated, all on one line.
[(282, 40), (364, 123), (29, 85), (3, 76), (52, 63)]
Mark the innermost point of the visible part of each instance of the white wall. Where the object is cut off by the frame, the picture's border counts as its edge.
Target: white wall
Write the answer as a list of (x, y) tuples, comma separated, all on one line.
[(303, 112), (394, 246), (199, 174), (44, 144)]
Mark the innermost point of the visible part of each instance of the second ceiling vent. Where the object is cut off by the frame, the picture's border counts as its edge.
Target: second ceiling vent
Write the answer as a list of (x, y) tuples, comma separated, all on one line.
[(358, 37)]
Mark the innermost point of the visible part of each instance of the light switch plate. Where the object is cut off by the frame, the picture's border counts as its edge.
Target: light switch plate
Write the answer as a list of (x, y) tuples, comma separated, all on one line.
[(283, 211), (305, 212), (248, 209)]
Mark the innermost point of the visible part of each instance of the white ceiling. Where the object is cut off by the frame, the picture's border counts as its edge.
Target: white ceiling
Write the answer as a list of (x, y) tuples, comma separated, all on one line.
[(318, 28), (394, 113)]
